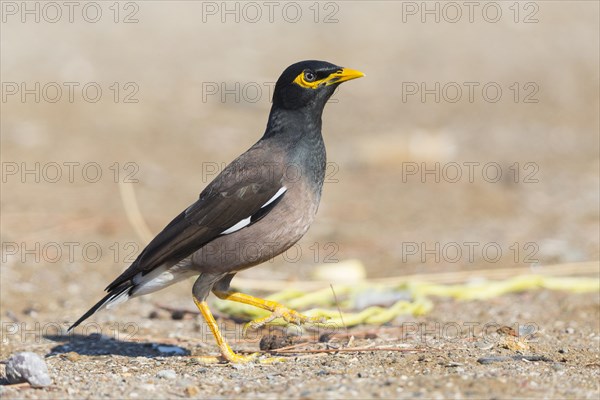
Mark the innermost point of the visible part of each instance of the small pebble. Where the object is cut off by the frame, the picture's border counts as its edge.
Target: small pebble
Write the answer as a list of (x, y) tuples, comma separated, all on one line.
[(177, 315), (453, 364), (191, 391), (166, 374), (27, 367), (490, 360), (242, 366), (558, 366), (570, 331), (30, 311), (532, 358), (484, 345), (169, 349), (325, 337), (72, 356), (272, 342), (527, 330)]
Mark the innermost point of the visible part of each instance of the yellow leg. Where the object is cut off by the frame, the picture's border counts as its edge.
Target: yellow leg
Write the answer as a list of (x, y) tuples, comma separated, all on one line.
[(277, 310), (226, 351)]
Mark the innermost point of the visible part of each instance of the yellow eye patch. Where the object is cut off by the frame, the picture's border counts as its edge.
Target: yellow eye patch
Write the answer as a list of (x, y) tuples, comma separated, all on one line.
[(301, 81), (345, 74)]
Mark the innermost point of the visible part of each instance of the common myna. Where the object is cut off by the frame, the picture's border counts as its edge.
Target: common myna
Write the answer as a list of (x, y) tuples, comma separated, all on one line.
[(255, 209)]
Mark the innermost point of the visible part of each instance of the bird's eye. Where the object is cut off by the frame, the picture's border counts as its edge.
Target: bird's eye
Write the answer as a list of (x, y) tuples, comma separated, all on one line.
[(309, 76)]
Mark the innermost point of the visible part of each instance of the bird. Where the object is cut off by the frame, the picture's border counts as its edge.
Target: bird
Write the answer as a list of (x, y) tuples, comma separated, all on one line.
[(260, 205)]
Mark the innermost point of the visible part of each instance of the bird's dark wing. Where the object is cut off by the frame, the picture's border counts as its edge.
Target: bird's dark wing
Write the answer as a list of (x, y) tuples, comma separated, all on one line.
[(238, 193)]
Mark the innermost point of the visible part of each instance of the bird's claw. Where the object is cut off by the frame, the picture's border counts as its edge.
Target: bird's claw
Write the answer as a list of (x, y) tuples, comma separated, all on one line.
[(288, 315)]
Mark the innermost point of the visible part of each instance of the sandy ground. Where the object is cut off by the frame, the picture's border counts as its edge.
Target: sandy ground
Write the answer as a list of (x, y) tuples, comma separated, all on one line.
[(185, 89), (454, 352)]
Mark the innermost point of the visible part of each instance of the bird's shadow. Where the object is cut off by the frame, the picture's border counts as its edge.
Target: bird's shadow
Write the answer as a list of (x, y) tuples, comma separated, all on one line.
[(96, 345)]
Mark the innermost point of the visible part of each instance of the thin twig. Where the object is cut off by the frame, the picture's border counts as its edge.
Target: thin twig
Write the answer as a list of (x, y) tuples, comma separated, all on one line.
[(337, 304), (346, 350), (132, 210)]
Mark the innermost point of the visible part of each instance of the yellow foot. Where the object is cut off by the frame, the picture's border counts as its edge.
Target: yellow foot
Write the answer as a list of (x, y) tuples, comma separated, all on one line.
[(288, 315), (277, 310), (237, 359), (226, 351), (272, 360)]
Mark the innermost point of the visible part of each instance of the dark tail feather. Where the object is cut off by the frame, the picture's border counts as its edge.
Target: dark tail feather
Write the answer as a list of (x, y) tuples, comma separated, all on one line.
[(107, 300)]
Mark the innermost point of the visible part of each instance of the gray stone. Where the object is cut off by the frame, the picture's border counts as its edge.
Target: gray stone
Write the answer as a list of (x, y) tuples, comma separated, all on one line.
[(166, 374), (27, 367)]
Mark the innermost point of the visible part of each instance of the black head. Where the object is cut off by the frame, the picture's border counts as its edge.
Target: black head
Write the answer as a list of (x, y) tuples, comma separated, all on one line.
[(309, 84)]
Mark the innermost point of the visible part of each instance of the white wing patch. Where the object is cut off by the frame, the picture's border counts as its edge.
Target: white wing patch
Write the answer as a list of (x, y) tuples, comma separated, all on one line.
[(277, 195), (246, 221), (243, 223)]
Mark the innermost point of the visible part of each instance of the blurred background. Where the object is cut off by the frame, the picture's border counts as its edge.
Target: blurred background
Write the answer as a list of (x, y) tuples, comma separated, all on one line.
[(474, 131)]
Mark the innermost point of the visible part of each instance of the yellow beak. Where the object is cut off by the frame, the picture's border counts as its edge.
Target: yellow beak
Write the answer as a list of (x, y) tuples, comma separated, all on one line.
[(345, 74)]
